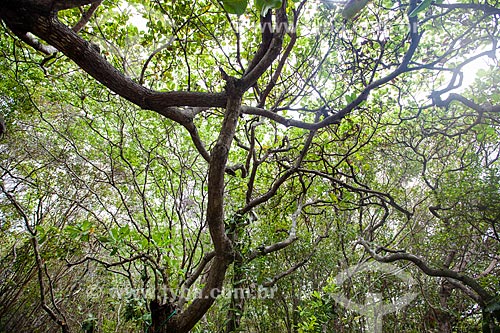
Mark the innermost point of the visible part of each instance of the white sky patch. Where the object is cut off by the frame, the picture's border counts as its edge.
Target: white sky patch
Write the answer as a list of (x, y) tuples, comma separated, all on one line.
[(469, 73), (139, 21), (470, 70)]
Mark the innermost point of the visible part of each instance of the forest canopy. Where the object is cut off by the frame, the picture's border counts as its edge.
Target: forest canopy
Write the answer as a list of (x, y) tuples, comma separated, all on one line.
[(222, 166)]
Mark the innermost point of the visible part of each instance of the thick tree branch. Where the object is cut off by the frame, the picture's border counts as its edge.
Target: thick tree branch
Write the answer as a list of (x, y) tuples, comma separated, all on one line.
[(464, 289), (424, 267), (266, 38), (272, 51), (218, 161), (215, 214), (465, 101), (87, 56), (35, 43)]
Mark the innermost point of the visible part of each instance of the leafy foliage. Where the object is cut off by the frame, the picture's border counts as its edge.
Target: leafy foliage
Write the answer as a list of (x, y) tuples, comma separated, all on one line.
[(191, 151)]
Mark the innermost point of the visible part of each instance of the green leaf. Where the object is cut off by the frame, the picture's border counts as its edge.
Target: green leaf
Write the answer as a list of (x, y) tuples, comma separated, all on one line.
[(86, 225), (73, 232), (103, 239), (85, 237), (41, 233), (266, 5), (350, 98), (125, 231), (316, 294), (237, 7), (115, 234), (420, 8)]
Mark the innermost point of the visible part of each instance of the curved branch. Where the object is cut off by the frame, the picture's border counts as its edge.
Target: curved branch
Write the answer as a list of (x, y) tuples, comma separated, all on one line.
[(204, 261), (215, 215), (198, 143), (104, 263), (87, 56), (292, 236), (272, 51), (86, 16), (275, 187), (424, 267), (384, 196), (301, 263), (151, 56), (338, 116), (465, 101)]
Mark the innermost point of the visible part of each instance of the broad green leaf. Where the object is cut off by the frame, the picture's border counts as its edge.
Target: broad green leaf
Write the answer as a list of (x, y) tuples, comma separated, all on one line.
[(73, 232), (115, 234), (237, 7), (125, 231), (86, 225), (266, 5)]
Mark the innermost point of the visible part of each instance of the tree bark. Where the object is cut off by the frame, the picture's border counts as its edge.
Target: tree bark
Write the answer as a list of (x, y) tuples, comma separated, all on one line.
[(39, 18), (163, 316)]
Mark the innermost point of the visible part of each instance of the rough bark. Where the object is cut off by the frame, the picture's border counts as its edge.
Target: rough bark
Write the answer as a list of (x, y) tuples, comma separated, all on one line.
[(163, 317)]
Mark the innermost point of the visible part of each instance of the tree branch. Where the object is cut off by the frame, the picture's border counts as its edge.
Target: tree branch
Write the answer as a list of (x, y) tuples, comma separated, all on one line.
[(485, 297), (204, 261), (87, 56), (35, 43), (292, 236), (465, 101), (86, 16), (277, 184), (292, 269), (272, 51), (215, 213), (68, 4), (53, 315)]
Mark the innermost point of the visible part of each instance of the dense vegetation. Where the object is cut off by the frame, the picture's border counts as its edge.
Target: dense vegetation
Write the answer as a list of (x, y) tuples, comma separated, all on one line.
[(155, 154)]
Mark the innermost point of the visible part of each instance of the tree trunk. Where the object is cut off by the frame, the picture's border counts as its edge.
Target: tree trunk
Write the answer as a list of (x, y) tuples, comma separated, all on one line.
[(444, 319)]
